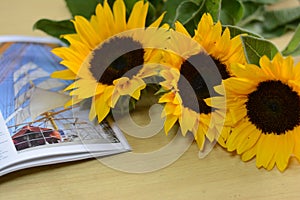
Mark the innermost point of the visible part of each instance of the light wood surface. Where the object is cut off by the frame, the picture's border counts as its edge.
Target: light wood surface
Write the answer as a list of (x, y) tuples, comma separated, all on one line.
[(220, 175)]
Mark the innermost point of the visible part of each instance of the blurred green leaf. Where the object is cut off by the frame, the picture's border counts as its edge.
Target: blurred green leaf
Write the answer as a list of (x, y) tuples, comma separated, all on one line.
[(213, 7), (170, 7), (235, 30), (179, 10), (151, 16), (262, 1), (55, 28), (293, 26), (85, 8), (186, 11), (250, 8), (158, 5), (255, 48), (276, 18), (231, 12), (293, 48), (257, 27), (252, 13)]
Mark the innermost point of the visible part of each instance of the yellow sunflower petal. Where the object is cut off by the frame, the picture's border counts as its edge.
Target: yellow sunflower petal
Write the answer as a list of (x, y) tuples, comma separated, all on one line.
[(93, 112), (71, 38), (266, 150), (239, 85), (232, 142), (296, 70), (250, 71), (181, 29), (67, 53), (169, 108), (224, 134), (271, 163), (286, 144), (108, 92), (286, 68), (187, 120), (120, 15), (85, 30), (71, 86), (249, 154), (109, 18), (106, 23), (74, 100), (169, 123), (168, 97), (200, 137), (72, 66), (216, 102), (249, 141), (158, 21), (64, 74), (84, 88), (177, 110), (212, 135), (237, 115), (138, 15), (101, 107), (297, 145)]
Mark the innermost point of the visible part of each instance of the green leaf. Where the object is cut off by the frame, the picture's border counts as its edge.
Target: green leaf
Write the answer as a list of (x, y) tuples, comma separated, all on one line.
[(186, 11), (262, 1), (276, 18), (274, 33), (151, 16), (257, 27), (178, 10), (170, 7), (157, 3), (292, 26), (55, 28), (236, 30), (213, 7), (85, 8), (250, 8), (158, 6), (252, 12), (293, 48), (255, 48), (231, 12)]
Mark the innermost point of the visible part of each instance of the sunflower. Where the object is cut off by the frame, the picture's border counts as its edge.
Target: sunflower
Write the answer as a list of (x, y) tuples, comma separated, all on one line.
[(103, 50), (201, 62), (183, 110), (264, 104)]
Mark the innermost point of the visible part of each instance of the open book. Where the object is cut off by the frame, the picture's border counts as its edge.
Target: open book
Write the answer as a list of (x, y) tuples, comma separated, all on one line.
[(35, 127)]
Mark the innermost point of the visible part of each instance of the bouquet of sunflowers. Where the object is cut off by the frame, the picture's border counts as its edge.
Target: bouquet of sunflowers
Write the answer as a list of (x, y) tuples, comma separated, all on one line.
[(216, 73)]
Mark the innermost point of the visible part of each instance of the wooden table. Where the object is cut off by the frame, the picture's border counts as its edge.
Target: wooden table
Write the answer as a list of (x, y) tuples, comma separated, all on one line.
[(220, 175)]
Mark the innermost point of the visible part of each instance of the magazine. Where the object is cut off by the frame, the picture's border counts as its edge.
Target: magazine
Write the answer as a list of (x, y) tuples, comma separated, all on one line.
[(35, 127)]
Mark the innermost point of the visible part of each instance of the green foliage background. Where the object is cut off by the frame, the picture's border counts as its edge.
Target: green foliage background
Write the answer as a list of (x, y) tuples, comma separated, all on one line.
[(242, 16)]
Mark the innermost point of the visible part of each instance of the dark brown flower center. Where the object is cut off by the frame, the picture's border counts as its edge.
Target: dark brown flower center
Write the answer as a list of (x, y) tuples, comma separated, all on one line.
[(199, 74), (114, 58), (274, 107)]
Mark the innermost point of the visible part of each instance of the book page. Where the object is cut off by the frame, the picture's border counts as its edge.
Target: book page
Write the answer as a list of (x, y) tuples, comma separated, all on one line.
[(7, 149), (36, 128)]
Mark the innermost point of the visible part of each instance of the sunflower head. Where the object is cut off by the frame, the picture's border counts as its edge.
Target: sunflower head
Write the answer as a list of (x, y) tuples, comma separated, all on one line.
[(202, 62), (107, 55), (219, 45), (264, 107)]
